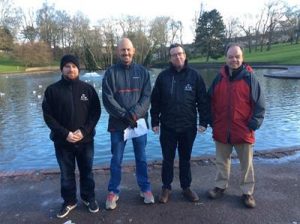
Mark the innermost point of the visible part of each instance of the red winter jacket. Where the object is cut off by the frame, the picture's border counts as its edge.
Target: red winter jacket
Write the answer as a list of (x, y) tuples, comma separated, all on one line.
[(237, 106)]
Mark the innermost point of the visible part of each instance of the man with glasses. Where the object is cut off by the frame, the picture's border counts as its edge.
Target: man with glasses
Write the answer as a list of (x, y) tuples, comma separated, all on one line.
[(179, 93)]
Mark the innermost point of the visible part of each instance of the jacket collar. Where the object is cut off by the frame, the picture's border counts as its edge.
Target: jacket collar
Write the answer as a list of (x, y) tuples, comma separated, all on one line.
[(67, 81), (240, 73), (173, 69), (120, 64)]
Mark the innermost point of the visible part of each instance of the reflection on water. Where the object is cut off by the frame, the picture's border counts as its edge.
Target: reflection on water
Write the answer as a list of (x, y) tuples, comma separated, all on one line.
[(24, 141)]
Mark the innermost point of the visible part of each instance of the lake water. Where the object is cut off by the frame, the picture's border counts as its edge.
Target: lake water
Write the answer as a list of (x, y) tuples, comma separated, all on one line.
[(24, 137)]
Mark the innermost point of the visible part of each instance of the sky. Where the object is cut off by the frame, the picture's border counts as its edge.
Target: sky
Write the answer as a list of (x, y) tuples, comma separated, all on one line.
[(184, 10)]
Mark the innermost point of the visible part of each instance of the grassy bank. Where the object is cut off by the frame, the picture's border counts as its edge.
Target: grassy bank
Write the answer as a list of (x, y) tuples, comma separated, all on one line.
[(8, 65), (280, 54)]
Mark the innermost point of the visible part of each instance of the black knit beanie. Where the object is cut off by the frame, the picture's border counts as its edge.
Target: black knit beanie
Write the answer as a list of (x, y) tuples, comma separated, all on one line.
[(69, 58)]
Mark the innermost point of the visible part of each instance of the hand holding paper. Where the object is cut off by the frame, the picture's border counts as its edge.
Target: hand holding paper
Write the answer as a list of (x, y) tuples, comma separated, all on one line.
[(140, 130)]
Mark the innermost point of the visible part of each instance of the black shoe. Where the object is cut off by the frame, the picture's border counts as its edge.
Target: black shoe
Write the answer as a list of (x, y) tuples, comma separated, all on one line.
[(190, 195), (216, 193), (65, 209), (92, 205), (248, 200)]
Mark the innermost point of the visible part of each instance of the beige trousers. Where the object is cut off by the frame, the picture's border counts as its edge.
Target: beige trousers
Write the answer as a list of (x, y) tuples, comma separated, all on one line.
[(223, 163)]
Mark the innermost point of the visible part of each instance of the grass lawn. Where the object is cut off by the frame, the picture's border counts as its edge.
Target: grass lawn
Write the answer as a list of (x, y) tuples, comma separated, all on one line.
[(7, 65), (280, 54)]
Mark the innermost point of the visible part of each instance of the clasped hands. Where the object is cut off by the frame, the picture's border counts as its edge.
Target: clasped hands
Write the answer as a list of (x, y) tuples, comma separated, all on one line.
[(130, 121), (75, 136)]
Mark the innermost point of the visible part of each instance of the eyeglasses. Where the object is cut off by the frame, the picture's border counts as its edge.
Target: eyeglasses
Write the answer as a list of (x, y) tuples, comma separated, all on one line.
[(177, 54)]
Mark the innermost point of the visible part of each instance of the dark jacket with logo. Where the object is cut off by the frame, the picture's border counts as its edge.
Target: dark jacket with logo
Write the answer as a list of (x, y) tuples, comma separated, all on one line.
[(176, 98), (237, 105), (125, 89), (70, 105)]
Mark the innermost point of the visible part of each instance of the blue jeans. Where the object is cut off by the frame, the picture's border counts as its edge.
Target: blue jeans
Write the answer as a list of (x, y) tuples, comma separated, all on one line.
[(67, 155), (117, 150)]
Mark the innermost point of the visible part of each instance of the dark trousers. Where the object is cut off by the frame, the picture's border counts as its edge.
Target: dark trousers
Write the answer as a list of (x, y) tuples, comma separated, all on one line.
[(67, 156), (170, 141)]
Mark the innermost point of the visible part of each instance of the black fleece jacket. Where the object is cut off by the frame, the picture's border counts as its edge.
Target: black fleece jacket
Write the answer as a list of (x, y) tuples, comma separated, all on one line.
[(69, 105)]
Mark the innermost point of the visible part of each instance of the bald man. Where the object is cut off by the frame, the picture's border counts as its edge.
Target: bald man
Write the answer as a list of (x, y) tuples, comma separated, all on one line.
[(126, 92)]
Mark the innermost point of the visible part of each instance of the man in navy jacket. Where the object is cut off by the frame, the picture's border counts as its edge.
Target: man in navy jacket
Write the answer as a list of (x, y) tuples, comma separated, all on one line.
[(178, 101)]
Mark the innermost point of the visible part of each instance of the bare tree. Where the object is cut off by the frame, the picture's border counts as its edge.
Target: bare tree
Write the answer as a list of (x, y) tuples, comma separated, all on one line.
[(197, 15), (257, 29), (45, 22), (10, 16), (158, 35), (232, 29), (6, 39), (108, 29), (176, 31), (275, 13), (80, 31), (29, 29), (33, 54), (291, 24), (65, 33)]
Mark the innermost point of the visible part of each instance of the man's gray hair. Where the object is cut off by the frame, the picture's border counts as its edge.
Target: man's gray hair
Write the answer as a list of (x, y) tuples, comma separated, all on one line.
[(233, 45)]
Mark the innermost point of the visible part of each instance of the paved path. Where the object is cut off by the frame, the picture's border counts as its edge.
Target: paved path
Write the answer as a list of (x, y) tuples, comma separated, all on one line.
[(35, 198)]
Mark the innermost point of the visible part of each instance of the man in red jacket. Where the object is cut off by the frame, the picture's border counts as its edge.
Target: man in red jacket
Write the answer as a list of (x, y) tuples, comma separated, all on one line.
[(237, 110)]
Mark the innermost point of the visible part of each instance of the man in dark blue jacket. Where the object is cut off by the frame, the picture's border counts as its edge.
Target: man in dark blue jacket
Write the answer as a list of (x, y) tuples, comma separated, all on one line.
[(71, 109), (179, 93), (126, 92)]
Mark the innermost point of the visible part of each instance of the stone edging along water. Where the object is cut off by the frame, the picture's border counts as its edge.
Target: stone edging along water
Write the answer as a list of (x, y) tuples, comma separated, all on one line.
[(129, 167), (291, 72)]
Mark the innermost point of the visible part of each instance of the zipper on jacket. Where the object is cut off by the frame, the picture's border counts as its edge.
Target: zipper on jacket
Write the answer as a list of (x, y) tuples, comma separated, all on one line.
[(172, 85), (73, 112), (229, 120)]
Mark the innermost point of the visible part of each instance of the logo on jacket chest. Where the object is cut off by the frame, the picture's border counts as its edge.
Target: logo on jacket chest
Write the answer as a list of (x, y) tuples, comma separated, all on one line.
[(84, 97), (188, 87)]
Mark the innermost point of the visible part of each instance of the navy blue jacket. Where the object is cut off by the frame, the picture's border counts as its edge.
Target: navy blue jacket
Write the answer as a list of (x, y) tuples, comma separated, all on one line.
[(176, 99)]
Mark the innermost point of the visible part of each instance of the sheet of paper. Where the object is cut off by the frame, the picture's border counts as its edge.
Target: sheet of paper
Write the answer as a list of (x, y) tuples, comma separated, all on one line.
[(140, 130)]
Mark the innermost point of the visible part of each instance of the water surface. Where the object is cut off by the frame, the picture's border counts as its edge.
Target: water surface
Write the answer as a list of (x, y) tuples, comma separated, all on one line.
[(24, 137)]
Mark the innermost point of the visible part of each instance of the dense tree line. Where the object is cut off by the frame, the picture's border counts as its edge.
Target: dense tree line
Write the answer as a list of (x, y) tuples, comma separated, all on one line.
[(38, 37)]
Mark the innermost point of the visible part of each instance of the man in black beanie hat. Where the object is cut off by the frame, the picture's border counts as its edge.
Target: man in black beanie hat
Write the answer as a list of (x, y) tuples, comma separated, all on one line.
[(69, 58), (71, 109)]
